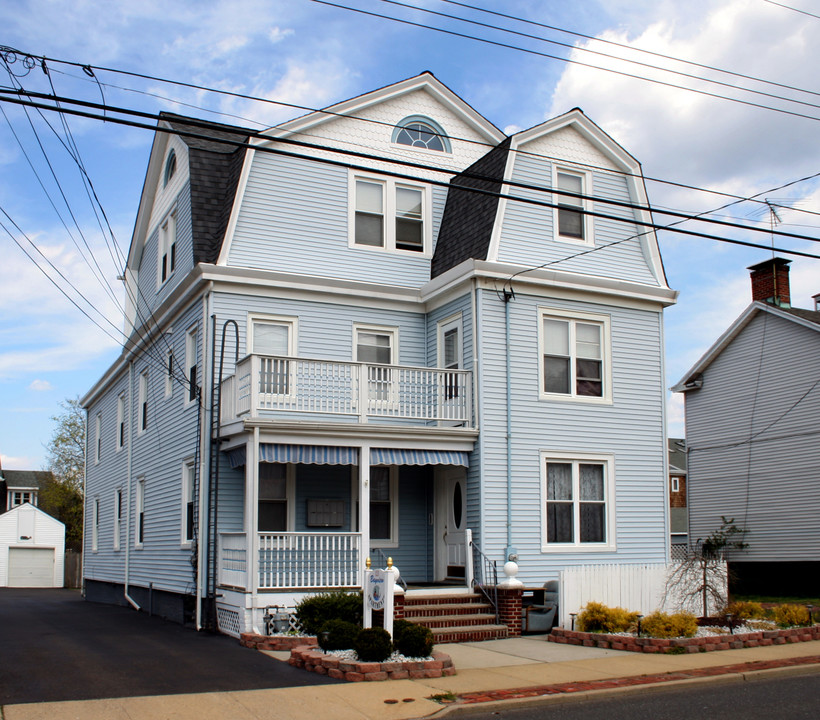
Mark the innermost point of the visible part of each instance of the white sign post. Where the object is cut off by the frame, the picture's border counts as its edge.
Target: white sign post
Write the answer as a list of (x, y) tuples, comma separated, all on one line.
[(378, 595)]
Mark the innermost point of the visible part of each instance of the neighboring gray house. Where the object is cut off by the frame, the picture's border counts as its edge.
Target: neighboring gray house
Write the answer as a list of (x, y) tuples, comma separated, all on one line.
[(442, 332), (678, 509), (21, 486), (752, 409)]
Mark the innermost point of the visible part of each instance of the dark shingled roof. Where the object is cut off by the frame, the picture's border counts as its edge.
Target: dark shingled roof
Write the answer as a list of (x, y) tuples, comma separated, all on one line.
[(810, 315), (467, 223), (21, 479), (214, 175)]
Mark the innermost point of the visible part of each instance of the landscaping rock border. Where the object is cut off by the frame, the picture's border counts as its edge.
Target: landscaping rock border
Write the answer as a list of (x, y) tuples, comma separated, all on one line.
[(311, 659), (279, 643), (690, 645)]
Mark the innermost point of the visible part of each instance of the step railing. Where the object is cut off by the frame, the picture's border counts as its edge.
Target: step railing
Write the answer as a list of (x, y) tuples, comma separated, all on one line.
[(485, 579), (382, 557)]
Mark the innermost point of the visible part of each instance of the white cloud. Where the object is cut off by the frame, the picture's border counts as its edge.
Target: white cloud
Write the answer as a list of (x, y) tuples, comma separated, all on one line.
[(11, 462), (675, 416), (40, 385), (276, 34)]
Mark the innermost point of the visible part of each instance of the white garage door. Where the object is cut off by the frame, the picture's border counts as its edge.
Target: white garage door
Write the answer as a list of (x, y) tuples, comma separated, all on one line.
[(31, 567)]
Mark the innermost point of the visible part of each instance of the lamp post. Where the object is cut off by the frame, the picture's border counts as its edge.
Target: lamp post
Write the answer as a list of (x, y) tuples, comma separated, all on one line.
[(572, 615), (640, 617)]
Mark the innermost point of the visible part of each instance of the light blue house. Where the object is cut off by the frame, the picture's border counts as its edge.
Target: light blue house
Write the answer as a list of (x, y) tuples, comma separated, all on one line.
[(381, 329)]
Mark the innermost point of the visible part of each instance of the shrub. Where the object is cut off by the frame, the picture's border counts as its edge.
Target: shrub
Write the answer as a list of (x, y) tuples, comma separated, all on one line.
[(788, 615), (596, 617), (341, 635), (315, 610), (664, 625), (412, 640), (373, 645), (744, 610)]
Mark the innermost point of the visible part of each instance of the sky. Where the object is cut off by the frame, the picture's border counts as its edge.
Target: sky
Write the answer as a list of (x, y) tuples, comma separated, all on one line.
[(714, 136)]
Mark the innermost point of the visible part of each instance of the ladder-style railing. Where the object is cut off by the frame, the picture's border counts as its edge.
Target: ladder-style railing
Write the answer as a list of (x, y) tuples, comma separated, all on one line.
[(486, 576)]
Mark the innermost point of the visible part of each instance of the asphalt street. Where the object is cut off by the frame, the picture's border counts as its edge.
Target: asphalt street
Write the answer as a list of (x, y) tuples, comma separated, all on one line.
[(54, 645)]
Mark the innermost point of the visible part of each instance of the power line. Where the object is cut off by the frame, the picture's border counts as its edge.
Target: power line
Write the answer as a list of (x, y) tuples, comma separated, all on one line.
[(793, 9), (448, 171), (582, 49), (538, 53), (89, 70)]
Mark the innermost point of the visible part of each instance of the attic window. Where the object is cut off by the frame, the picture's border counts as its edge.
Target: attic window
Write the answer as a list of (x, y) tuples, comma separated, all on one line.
[(170, 167), (420, 132)]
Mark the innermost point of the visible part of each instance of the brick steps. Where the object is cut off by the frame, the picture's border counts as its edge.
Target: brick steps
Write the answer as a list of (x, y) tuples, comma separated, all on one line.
[(463, 617)]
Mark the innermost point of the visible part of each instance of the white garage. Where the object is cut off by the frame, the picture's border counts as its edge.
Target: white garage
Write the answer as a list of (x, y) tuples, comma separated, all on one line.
[(32, 548)]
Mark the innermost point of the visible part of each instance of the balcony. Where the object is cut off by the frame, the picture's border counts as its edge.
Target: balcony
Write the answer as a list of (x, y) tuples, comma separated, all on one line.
[(300, 389)]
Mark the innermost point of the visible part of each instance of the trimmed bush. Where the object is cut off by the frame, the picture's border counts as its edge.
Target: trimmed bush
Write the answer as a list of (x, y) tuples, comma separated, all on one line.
[(789, 615), (411, 639), (373, 645), (664, 625), (315, 610), (743, 610), (597, 617), (341, 635)]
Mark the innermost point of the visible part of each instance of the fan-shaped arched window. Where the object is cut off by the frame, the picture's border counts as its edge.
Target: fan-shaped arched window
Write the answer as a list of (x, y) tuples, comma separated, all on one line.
[(421, 132), (170, 167)]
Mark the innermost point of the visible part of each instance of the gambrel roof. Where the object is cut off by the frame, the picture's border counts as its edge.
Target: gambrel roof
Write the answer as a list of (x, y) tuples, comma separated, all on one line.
[(806, 318)]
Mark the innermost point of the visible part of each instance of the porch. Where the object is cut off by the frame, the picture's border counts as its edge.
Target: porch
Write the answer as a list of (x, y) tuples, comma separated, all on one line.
[(286, 387)]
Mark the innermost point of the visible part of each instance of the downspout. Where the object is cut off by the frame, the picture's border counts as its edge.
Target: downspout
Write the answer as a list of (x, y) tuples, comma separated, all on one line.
[(510, 553), (202, 525), (128, 493)]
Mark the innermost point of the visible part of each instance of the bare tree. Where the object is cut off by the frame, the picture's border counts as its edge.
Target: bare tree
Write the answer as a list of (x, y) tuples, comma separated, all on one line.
[(702, 576)]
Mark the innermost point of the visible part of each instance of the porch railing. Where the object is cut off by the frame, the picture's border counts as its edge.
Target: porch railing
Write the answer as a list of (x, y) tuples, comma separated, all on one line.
[(309, 560), (232, 560), (362, 390)]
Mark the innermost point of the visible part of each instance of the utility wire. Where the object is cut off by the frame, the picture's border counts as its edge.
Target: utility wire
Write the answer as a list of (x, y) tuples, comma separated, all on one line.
[(538, 53), (635, 49), (89, 69), (369, 156), (618, 58), (793, 9)]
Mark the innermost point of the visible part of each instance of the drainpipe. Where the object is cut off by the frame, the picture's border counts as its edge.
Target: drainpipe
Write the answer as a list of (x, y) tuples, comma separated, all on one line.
[(128, 493), (510, 553)]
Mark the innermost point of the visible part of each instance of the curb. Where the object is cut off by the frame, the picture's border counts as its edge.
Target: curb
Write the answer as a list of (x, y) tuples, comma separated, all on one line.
[(568, 692)]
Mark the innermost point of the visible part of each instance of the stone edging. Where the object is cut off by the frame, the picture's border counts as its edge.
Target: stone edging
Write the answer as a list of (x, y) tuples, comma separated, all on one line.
[(309, 658), (690, 645), (275, 642)]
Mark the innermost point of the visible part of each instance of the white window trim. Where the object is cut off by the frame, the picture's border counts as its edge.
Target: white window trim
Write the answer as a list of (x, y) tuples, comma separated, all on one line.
[(97, 438), (393, 542), (142, 400), (606, 356), (290, 498), (191, 348), (675, 484), (292, 323), (393, 331), (169, 373), (586, 186), (140, 510), (453, 321), (117, 518), (187, 486), (167, 233), (389, 213), (95, 525), (119, 439), (608, 461)]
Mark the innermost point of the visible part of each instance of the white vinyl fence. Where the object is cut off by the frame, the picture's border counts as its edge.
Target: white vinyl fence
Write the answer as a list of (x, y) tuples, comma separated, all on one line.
[(639, 588)]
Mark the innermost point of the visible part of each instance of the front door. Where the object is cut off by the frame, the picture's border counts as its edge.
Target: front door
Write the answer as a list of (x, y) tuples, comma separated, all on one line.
[(451, 511)]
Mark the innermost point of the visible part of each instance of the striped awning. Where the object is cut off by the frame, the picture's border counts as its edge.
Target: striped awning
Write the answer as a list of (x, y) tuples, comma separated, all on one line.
[(236, 457), (397, 456), (308, 454)]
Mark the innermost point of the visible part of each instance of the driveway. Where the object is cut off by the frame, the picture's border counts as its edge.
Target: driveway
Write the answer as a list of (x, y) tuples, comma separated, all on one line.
[(54, 645)]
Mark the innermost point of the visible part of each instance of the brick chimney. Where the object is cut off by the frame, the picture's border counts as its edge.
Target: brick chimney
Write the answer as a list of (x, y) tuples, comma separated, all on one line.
[(770, 282)]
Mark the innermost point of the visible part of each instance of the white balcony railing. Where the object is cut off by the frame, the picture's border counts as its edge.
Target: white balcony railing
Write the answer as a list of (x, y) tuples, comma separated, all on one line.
[(232, 560), (309, 560), (426, 395)]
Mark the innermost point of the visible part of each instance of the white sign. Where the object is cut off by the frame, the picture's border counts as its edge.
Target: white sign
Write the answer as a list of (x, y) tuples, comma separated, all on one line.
[(376, 589), (378, 595)]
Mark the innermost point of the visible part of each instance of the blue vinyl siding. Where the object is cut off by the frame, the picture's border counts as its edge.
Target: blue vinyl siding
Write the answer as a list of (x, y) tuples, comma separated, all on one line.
[(149, 295), (294, 218), (631, 429), (528, 236)]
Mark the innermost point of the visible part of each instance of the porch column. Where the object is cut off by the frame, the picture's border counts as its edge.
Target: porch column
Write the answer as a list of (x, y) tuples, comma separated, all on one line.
[(364, 508), (252, 511)]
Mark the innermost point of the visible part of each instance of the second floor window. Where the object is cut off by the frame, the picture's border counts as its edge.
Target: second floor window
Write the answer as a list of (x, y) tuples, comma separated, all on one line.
[(390, 215), (120, 422), (190, 363), (142, 402)]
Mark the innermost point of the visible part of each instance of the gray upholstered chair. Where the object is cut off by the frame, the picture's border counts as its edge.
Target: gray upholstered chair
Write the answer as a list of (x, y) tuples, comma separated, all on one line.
[(540, 616)]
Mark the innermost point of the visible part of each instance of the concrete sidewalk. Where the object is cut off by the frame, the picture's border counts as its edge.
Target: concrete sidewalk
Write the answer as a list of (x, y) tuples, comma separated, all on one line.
[(488, 671)]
